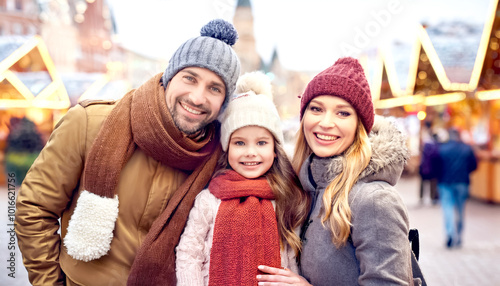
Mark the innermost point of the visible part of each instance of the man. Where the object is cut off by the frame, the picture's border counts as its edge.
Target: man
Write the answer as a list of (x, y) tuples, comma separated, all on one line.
[(457, 162), (122, 176), (429, 168)]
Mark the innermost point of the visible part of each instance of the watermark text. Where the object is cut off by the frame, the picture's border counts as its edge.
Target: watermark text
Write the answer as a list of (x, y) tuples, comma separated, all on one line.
[(11, 234), (372, 29)]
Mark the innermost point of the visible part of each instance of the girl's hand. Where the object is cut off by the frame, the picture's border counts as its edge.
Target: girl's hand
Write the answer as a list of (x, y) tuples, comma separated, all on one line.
[(278, 276)]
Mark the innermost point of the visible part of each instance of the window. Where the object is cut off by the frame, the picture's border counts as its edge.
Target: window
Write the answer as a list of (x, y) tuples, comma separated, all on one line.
[(19, 5)]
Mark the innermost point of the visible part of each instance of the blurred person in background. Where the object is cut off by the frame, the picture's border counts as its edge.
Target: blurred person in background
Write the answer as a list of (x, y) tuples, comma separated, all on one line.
[(429, 167), (457, 162), (121, 177)]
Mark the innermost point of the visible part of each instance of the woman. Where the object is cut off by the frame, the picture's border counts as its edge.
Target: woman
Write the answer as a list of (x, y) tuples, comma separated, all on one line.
[(357, 230)]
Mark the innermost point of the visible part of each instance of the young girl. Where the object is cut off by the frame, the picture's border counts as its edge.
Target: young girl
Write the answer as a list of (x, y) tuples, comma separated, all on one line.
[(349, 161), (253, 204)]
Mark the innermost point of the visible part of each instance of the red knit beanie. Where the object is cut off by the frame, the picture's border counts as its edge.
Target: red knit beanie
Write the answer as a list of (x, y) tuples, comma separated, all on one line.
[(345, 79)]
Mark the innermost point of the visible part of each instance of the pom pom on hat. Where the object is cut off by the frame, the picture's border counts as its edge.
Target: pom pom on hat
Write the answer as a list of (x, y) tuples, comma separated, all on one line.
[(220, 29), (345, 79), (252, 106), (257, 82), (211, 50)]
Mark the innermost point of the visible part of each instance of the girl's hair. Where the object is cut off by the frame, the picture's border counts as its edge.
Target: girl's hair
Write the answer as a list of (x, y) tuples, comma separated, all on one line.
[(292, 202), (335, 198)]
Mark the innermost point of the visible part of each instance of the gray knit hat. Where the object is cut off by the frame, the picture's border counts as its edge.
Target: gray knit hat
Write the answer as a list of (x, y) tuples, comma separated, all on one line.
[(211, 50)]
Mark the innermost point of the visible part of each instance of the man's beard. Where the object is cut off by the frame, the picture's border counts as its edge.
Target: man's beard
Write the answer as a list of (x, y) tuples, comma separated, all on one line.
[(183, 123)]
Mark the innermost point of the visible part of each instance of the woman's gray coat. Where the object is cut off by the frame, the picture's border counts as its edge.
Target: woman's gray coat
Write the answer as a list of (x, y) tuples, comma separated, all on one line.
[(378, 252)]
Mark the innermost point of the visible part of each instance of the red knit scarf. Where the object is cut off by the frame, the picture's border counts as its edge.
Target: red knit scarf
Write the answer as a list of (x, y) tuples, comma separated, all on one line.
[(141, 120), (245, 231)]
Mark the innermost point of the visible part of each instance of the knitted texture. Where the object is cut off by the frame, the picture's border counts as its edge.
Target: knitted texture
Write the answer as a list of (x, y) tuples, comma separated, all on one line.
[(193, 251), (135, 123), (211, 50), (345, 79), (155, 259), (245, 231), (254, 107), (250, 109)]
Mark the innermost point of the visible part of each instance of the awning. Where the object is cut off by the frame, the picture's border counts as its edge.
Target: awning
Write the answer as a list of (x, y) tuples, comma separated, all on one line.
[(28, 77)]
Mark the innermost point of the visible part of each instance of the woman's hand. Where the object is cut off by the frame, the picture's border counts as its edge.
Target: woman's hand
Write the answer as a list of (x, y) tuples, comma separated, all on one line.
[(278, 276)]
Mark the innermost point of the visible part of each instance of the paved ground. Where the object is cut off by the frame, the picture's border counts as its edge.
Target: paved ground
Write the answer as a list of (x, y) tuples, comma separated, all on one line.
[(477, 262)]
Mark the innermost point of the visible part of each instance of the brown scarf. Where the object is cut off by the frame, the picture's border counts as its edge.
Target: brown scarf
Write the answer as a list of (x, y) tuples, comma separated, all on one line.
[(245, 231), (141, 119)]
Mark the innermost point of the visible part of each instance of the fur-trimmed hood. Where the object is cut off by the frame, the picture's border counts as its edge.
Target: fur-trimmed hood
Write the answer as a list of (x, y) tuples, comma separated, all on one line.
[(389, 156)]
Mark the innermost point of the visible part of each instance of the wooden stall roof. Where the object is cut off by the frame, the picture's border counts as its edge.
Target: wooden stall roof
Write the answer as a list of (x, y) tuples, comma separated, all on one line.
[(28, 77)]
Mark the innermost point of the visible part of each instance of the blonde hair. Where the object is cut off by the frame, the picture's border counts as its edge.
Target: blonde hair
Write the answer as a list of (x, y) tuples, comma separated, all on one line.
[(335, 199), (292, 202)]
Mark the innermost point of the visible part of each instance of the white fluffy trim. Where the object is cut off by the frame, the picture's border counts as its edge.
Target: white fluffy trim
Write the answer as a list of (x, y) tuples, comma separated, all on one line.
[(90, 229)]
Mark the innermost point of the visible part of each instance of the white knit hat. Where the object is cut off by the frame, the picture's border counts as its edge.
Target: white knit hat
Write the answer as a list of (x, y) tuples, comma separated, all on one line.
[(251, 106)]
